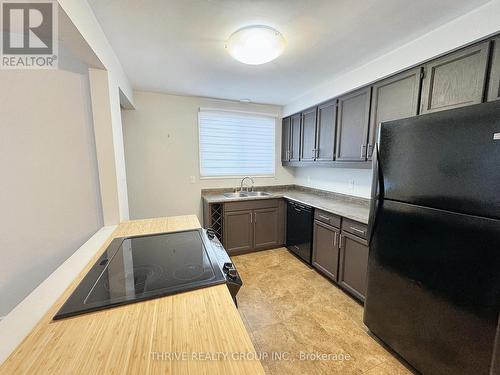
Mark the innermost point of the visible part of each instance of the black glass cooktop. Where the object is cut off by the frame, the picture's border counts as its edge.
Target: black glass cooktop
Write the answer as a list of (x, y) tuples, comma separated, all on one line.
[(137, 268)]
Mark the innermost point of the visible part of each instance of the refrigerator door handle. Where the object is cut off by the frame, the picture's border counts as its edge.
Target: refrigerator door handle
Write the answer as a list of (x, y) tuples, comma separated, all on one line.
[(375, 193)]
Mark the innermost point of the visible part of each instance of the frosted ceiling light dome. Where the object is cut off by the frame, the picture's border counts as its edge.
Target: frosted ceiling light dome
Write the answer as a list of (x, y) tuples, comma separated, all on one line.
[(256, 45)]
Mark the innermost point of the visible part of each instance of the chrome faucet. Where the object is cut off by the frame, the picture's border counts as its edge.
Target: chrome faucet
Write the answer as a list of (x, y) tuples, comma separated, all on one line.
[(243, 180)]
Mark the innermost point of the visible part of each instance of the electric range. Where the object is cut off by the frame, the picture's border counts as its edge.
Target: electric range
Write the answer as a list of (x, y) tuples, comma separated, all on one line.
[(137, 268)]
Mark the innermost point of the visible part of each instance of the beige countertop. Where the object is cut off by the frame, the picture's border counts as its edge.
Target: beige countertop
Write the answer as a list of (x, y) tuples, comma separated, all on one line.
[(354, 208), (197, 332)]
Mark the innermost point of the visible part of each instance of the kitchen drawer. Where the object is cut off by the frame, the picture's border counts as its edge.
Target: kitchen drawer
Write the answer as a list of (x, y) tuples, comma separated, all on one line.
[(327, 218), (250, 205), (354, 227)]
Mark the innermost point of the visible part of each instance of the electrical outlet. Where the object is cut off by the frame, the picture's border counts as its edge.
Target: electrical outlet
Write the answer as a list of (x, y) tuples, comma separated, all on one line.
[(192, 179), (351, 184)]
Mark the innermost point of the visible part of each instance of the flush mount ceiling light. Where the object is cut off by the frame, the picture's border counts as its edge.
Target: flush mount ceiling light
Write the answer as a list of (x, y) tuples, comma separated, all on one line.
[(256, 45)]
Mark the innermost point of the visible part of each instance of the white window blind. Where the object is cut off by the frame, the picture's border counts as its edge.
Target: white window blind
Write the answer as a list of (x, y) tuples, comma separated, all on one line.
[(236, 144)]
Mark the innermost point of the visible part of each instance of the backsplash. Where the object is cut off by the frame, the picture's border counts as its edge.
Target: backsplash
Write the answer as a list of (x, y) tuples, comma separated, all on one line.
[(347, 181)]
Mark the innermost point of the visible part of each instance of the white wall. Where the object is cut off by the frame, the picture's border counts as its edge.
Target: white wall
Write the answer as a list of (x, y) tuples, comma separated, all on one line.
[(49, 187), (117, 129), (105, 149), (84, 19), (341, 180), (477, 24), (118, 92), (161, 153)]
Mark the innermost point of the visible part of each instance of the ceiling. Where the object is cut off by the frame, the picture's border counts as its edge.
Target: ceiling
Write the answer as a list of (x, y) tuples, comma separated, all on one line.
[(177, 46)]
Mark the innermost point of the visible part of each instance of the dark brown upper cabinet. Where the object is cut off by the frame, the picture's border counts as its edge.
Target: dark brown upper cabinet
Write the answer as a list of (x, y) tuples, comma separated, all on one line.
[(285, 139), (295, 126), (325, 134), (352, 125), (455, 80), (392, 99), (494, 83), (308, 139)]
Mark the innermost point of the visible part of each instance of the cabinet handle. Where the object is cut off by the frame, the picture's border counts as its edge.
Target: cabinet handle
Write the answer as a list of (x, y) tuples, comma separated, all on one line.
[(255, 220), (335, 240), (341, 241), (251, 218), (363, 151), (324, 217), (358, 230), (370, 150)]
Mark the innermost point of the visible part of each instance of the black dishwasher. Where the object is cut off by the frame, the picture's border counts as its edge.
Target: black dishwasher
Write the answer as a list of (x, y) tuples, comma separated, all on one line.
[(299, 227)]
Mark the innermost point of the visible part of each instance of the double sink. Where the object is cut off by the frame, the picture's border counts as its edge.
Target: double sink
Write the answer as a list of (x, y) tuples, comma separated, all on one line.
[(247, 194)]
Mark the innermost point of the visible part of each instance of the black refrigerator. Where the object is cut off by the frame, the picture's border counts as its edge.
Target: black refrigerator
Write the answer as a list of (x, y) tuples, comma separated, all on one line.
[(433, 292)]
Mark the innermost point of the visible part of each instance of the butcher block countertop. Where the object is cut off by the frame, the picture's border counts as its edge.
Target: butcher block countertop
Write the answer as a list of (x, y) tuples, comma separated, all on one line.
[(197, 332)]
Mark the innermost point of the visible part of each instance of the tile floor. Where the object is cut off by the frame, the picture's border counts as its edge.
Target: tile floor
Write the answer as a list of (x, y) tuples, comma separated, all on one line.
[(290, 309)]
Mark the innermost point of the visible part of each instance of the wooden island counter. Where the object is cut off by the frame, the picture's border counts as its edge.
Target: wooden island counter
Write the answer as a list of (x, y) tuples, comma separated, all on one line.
[(197, 332)]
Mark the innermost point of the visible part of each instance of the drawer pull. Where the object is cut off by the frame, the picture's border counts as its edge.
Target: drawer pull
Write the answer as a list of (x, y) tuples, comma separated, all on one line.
[(358, 230), (324, 217)]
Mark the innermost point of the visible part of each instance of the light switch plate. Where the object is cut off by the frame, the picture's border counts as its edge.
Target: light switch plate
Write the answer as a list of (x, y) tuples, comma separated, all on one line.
[(496, 136)]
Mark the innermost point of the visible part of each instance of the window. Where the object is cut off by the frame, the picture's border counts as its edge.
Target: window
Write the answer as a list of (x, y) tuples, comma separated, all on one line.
[(236, 144)]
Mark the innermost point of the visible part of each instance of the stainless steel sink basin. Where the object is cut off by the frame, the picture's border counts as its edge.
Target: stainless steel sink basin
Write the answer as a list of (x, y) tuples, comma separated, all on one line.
[(238, 194), (247, 194), (258, 194)]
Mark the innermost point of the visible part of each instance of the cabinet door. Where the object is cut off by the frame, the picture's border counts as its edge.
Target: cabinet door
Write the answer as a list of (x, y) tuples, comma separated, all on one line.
[(326, 249), (266, 228), (494, 84), (238, 231), (393, 99), (352, 125), (325, 142), (308, 139), (455, 80), (285, 139), (353, 265), (295, 138)]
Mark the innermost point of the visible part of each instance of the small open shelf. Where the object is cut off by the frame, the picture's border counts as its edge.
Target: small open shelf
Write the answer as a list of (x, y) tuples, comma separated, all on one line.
[(216, 219)]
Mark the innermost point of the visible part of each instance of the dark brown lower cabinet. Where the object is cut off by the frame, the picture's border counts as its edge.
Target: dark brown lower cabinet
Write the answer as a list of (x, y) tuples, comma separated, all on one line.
[(253, 225), (266, 231), (353, 264), (238, 231), (325, 256)]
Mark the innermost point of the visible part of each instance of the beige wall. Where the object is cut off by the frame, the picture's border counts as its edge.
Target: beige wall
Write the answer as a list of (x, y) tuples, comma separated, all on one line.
[(161, 154), (49, 187)]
